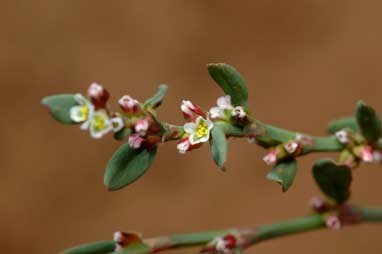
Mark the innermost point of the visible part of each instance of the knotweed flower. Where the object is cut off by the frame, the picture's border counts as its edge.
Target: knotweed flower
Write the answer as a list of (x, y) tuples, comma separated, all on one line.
[(128, 104), (367, 154), (117, 123), (141, 126), (238, 112), (184, 145), (223, 244), (98, 95), (135, 141), (199, 131), (223, 104), (291, 147), (83, 112), (191, 111), (100, 124)]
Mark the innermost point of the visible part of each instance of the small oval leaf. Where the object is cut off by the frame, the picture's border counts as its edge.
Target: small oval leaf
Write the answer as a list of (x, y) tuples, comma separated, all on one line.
[(369, 122), (334, 180), (59, 106), (157, 99), (218, 146), (232, 83), (343, 123), (127, 165), (284, 173), (93, 248)]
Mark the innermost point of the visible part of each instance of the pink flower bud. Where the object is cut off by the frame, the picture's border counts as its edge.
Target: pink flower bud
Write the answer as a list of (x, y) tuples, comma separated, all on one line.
[(367, 154), (318, 205), (128, 104), (291, 147), (184, 145), (333, 222), (141, 126), (271, 158), (98, 95), (135, 141), (191, 111)]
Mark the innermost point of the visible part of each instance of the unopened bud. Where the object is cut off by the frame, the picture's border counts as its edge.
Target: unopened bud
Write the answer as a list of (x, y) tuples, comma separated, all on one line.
[(128, 104), (343, 136), (98, 95), (333, 222)]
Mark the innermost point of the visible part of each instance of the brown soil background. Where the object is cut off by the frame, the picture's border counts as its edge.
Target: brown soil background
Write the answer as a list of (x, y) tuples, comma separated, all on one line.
[(306, 62)]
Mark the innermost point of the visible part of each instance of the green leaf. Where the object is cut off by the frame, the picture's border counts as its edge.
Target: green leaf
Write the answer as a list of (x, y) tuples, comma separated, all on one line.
[(59, 106), (284, 173), (157, 99), (218, 146), (231, 81), (343, 123), (369, 122), (122, 134), (93, 248), (334, 180), (127, 165), (139, 248)]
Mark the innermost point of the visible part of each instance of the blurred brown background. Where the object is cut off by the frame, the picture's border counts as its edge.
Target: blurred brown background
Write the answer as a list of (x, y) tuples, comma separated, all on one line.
[(306, 62)]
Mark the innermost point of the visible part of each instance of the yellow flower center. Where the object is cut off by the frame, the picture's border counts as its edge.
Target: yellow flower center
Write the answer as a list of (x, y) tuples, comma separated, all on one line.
[(201, 129), (84, 112), (99, 123)]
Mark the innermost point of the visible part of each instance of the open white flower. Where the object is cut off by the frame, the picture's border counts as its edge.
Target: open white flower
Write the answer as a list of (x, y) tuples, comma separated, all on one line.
[(100, 124), (117, 123), (223, 103), (199, 131), (83, 112)]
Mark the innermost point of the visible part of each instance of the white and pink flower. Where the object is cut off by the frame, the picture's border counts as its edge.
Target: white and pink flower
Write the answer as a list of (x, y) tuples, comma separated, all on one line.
[(291, 147), (141, 126), (333, 222), (271, 158), (135, 141), (366, 154), (128, 104), (223, 105), (191, 111)]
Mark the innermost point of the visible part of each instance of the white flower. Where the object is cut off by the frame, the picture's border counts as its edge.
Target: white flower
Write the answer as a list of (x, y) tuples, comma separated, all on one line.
[(128, 104), (223, 103), (271, 158), (95, 90), (135, 141), (239, 112), (183, 146), (221, 246), (117, 123), (141, 126), (83, 112), (291, 147), (100, 124), (199, 131), (343, 136)]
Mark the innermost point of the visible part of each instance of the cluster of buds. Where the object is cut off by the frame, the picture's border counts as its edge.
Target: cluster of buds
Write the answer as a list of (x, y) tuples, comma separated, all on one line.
[(93, 114), (357, 149), (222, 245), (225, 111), (289, 149), (196, 130)]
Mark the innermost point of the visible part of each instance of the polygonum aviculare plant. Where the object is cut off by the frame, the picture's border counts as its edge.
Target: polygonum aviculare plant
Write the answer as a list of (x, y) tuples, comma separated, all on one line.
[(357, 139)]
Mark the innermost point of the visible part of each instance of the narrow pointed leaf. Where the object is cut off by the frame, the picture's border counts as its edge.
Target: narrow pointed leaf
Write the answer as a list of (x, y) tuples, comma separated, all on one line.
[(284, 174), (157, 99), (93, 248), (218, 146), (369, 122), (232, 83), (343, 123), (59, 106), (127, 165), (334, 180)]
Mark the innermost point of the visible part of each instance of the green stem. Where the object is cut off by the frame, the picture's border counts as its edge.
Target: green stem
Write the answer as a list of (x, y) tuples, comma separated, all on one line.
[(250, 236)]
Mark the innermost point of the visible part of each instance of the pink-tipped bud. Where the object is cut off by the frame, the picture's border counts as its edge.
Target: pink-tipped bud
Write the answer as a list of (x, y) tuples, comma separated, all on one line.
[(333, 222), (291, 147), (98, 95), (319, 205), (184, 145), (271, 158), (135, 141), (141, 126), (367, 154), (191, 111), (128, 104), (343, 136), (238, 112)]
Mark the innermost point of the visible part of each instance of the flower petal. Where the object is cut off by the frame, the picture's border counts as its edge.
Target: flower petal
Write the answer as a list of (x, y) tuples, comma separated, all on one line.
[(117, 123), (189, 128), (224, 102), (100, 124), (79, 113)]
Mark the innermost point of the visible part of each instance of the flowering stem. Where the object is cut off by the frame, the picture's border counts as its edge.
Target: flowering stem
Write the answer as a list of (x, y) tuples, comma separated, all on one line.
[(253, 235)]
